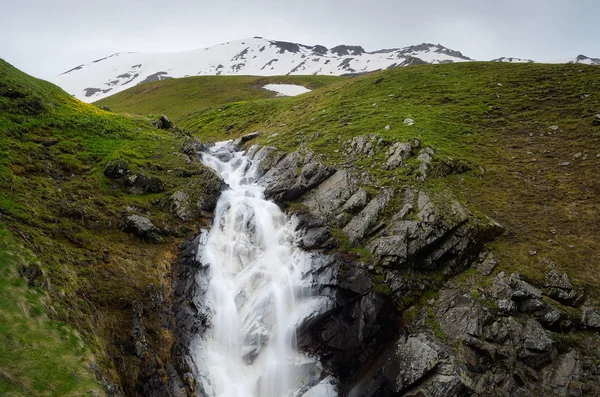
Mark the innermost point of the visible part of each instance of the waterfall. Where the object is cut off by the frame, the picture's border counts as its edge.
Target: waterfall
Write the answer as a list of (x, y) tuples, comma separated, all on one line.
[(259, 292)]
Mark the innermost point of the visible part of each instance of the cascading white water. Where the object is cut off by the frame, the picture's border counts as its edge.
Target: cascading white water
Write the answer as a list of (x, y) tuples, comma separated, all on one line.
[(258, 291)]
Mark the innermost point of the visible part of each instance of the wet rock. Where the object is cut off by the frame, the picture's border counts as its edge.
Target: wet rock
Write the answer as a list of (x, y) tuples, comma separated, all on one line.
[(116, 169), (246, 138), (267, 157), (397, 154), (401, 365), (361, 223), (316, 238), (326, 387), (142, 227), (162, 123), (294, 175)]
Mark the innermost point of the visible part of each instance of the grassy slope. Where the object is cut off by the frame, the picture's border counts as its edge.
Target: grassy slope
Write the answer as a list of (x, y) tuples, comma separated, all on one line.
[(178, 97), (56, 200), (492, 115), (38, 356)]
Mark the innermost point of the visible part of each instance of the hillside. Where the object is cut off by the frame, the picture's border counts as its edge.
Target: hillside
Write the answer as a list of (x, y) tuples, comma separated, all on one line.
[(178, 97), (97, 277), (515, 127), (486, 172)]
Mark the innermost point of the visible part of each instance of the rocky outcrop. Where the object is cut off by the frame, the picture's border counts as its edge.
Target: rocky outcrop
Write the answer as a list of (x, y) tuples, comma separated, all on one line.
[(294, 175), (362, 224), (142, 227), (162, 123)]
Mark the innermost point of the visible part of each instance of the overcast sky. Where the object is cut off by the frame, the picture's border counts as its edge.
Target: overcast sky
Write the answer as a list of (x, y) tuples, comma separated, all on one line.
[(47, 37)]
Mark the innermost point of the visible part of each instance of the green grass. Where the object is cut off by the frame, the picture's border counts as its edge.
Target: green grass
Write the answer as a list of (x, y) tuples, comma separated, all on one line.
[(493, 117), (56, 200), (178, 97), (38, 356)]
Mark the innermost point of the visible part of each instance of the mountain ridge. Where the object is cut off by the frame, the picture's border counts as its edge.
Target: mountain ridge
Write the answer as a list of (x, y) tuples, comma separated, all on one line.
[(256, 56)]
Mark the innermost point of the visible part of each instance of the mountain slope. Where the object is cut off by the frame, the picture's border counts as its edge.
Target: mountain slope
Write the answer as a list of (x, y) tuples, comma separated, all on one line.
[(178, 97), (255, 56), (521, 122), (76, 184)]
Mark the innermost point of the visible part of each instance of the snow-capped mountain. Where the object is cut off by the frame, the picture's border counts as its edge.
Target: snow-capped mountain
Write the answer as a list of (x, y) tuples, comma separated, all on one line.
[(256, 56), (512, 60)]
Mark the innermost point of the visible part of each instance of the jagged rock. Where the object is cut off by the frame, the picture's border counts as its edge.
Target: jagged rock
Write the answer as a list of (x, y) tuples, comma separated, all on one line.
[(458, 315), (590, 317), (142, 227), (266, 157), (316, 237), (425, 158), (397, 154), (538, 347), (139, 331), (162, 123), (561, 290), (327, 198), (402, 364), (325, 388), (361, 223), (245, 139), (295, 174), (357, 202), (486, 267), (116, 169), (366, 145), (179, 205), (139, 184), (389, 250), (562, 377)]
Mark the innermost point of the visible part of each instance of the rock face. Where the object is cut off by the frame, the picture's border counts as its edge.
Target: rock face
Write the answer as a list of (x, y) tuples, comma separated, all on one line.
[(376, 336), (294, 175)]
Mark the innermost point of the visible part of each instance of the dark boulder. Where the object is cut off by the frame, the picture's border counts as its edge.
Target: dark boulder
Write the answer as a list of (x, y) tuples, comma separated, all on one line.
[(142, 227), (162, 123), (116, 169), (139, 184)]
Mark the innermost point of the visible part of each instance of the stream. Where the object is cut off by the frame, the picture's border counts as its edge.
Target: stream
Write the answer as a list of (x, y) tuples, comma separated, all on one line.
[(259, 293)]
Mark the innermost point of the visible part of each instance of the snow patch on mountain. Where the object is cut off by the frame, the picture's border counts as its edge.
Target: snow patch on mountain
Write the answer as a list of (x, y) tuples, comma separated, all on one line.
[(255, 56), (512, 60), (287, 89)]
